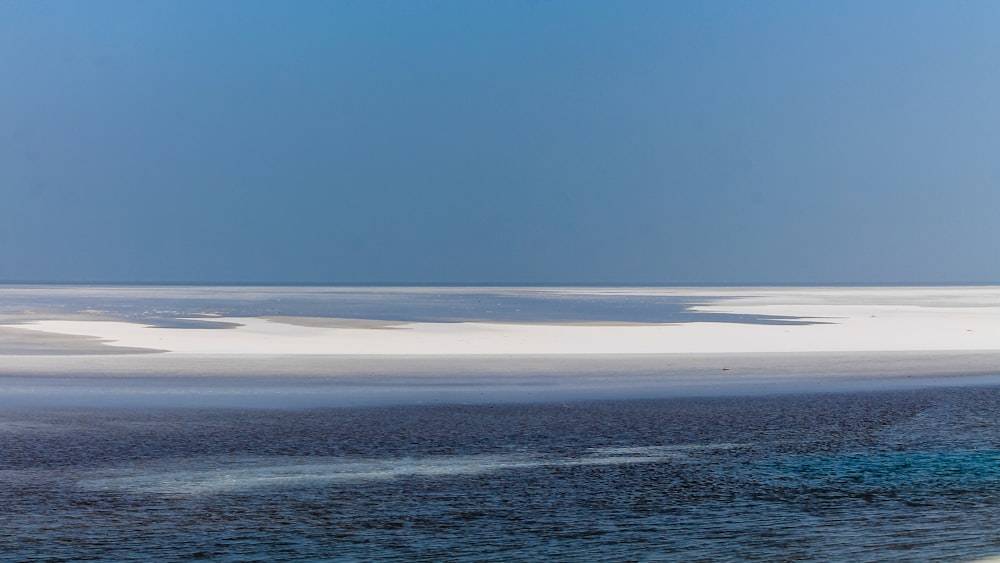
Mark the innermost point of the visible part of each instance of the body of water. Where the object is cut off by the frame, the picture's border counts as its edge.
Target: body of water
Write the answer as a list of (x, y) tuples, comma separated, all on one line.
[(902, 475)]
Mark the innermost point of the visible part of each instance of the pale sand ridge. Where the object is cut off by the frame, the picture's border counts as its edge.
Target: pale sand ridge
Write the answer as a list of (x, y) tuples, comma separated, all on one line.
[(840, 328), (861, 333)]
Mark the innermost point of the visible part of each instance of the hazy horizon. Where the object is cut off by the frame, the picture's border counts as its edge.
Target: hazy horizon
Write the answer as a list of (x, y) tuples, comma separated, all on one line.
[(484, 284)]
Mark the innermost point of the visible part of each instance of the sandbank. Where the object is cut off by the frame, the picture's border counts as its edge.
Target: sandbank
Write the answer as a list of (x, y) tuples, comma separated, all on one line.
[(841, 338), (17, 342), (826, 328)]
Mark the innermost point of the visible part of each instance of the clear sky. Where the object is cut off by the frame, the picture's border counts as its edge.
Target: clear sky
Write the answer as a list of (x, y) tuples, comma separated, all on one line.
[(500, 141)]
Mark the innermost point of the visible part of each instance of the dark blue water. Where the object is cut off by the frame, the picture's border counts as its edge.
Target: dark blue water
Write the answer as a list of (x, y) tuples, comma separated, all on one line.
[(879, 476)]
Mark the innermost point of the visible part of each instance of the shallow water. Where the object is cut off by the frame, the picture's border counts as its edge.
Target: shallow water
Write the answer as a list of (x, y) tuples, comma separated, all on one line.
[(902, 475), (170, 306)]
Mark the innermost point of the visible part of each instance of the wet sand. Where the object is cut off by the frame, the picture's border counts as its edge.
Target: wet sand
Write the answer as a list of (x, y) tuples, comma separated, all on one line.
[(167, 380)]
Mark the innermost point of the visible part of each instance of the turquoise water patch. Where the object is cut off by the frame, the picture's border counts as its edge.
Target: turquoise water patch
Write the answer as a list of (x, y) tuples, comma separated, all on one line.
[(915, 478)]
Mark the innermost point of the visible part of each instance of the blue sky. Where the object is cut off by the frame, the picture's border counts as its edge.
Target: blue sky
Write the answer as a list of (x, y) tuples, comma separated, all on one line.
[(505, 142)]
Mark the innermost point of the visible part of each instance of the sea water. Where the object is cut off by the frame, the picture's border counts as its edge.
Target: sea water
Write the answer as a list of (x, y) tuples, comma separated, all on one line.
[(173, 305), (878, 476)]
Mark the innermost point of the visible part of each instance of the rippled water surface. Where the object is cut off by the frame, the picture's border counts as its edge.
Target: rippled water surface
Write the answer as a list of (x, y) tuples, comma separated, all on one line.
[(905, 475)]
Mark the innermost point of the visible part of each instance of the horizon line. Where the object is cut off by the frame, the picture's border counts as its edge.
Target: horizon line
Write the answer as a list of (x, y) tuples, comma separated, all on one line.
[(272, 283)]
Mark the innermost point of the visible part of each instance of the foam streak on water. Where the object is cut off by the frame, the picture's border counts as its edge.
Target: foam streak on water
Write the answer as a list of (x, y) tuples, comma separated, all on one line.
[(220, 475)]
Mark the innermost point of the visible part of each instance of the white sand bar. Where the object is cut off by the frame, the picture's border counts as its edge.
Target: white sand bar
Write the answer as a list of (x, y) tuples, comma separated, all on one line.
[(835, 320), (849, 338)]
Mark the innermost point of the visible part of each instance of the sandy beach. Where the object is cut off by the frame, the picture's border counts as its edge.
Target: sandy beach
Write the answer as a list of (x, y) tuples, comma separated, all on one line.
[(816, 321), (758, 340)]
